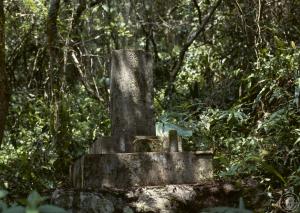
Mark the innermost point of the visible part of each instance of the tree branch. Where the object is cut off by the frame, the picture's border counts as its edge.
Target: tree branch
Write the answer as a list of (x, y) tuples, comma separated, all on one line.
[(91, 91), (80, 9), (193, 36), (198, 11), (95, 2), (52, 23), (149, 34)]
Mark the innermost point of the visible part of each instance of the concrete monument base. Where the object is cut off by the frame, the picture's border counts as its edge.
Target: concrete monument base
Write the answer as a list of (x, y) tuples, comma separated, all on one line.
[(185, 198), (123, 170)]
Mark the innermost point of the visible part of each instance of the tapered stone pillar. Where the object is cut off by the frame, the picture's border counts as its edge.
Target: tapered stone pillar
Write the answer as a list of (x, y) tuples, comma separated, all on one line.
[(131, 93)]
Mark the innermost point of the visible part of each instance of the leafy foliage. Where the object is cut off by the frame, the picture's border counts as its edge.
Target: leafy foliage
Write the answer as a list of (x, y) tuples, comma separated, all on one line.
[(236, 90), (32, 205)]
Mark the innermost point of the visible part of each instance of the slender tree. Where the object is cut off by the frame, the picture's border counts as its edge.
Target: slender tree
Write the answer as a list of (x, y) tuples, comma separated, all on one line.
[(59, 121), (4, 85), (55, 72)]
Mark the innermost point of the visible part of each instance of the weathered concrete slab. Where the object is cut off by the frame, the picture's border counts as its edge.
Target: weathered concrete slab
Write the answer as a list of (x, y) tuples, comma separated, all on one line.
[(122, 170), (109, 144)]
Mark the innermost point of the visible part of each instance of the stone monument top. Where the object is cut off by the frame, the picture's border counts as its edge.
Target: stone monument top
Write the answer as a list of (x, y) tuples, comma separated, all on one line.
[(131, 96)]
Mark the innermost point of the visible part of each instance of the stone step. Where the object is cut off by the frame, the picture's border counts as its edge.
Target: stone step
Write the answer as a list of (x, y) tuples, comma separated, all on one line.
[(122, 170)]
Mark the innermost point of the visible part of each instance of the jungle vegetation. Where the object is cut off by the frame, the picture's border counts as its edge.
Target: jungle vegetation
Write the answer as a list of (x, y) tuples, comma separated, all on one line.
[(227, 70)]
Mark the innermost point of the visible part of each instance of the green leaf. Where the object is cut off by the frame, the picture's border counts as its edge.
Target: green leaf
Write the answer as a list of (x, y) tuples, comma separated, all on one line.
[(176, 50), (31, 210), (271, 169), (279, 43), (293, 45), (105, 7), (34, 199), (30, 4), (94, 10), (241, 204), (3, 193), (51, 209), (15, 209), (268, 167)]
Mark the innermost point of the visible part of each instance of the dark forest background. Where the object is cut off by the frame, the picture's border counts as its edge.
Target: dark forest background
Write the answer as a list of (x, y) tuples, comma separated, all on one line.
[(227, 71)]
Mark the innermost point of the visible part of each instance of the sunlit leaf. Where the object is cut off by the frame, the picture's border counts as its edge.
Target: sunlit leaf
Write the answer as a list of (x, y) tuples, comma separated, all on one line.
[(105, 7), (293, 45)]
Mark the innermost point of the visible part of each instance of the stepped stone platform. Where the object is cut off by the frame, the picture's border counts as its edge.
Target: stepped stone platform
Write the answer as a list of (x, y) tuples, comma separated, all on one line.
[(185, 198), (123, 170)]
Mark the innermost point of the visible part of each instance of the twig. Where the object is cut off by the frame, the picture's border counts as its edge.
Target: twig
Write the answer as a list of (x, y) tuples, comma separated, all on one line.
[(83, 77)]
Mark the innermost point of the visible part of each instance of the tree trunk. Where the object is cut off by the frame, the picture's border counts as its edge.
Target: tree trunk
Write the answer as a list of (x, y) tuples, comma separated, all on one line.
[(54, 65), (4, 84), (59, 121)]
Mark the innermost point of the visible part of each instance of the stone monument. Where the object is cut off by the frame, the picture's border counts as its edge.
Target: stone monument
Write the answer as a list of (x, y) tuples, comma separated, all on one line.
[(120, 161), (131, 101)]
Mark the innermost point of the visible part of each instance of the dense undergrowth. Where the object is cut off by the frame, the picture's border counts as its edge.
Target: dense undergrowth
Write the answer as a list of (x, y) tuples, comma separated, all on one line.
[(237, 90)]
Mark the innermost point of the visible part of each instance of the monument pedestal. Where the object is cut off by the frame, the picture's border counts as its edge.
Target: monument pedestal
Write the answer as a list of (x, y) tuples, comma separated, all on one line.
[(167, 199), (123, 170)]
